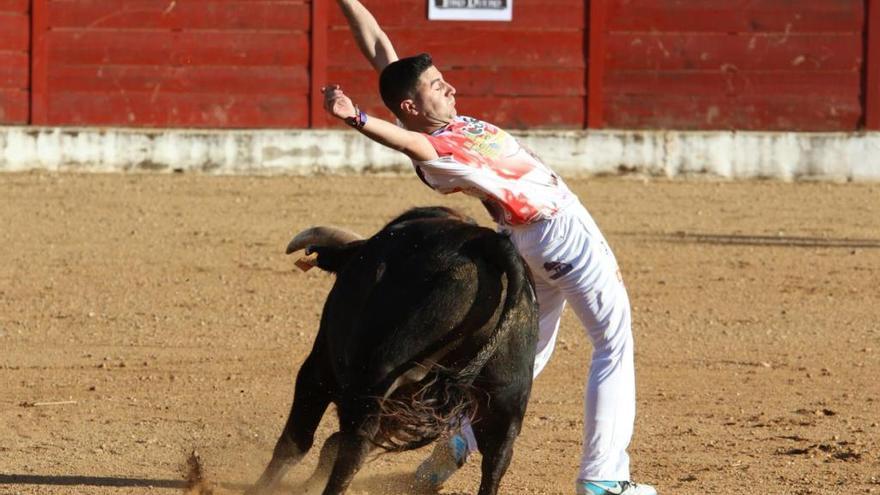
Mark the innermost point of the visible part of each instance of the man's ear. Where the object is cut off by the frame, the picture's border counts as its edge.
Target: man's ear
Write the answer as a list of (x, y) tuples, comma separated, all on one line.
[(408, 107)]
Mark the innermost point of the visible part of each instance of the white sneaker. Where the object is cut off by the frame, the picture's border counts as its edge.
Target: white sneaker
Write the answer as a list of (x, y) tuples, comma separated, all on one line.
[(613, 488), (448, 456)]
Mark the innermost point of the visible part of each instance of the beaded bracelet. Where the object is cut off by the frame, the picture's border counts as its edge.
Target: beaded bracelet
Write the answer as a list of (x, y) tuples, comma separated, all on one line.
[(358, 120)]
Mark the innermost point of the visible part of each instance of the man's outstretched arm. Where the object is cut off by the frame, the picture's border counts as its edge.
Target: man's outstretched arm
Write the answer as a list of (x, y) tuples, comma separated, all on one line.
[(370, 38), (413, 144)]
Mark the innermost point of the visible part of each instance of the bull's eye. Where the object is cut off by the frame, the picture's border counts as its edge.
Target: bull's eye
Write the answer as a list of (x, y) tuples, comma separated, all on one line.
[(380, 270)]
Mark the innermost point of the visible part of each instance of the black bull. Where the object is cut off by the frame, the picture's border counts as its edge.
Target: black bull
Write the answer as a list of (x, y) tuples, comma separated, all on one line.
[(430, 320)]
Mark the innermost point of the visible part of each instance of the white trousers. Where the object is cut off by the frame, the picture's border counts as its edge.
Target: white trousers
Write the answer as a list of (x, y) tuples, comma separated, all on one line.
[(571, 262)]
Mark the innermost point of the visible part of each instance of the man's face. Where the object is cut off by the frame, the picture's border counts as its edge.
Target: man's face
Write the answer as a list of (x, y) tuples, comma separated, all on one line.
[(435, 98)]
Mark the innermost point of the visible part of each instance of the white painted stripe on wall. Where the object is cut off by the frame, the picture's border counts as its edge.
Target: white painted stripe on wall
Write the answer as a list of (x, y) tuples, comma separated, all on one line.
[(779, 155)]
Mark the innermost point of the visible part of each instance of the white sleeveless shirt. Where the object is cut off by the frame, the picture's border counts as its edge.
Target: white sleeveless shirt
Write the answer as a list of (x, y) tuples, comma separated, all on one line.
[(486, 162)]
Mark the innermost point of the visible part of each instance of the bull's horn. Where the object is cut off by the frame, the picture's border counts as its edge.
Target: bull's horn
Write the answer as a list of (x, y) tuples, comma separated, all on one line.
[(321, 236)]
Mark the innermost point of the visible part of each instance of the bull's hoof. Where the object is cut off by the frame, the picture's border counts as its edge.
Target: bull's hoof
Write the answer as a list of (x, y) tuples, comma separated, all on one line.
[(257, 490)]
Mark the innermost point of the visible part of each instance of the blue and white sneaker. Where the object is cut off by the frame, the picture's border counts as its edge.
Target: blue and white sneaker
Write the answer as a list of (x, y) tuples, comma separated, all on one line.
[(613, 488), (448, 456)]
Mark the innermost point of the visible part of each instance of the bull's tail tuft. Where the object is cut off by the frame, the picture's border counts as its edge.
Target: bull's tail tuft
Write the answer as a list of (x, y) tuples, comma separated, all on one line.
[(419, 413)]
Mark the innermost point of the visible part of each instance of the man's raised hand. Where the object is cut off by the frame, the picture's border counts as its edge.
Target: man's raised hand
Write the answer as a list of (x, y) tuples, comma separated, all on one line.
[(336, 103)]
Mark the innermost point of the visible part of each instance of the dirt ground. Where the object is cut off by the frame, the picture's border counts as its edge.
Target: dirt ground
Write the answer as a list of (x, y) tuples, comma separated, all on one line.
[(144, 316)]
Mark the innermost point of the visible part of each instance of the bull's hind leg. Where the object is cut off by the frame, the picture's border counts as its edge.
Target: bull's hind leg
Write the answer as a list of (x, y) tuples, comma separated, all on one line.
[(353, 450), (329, 451), (357, 426), (500, 418), (310, 400)]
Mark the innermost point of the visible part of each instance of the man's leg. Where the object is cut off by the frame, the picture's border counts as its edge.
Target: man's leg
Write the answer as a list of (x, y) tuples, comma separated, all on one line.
[(591, 283), (551, 302)]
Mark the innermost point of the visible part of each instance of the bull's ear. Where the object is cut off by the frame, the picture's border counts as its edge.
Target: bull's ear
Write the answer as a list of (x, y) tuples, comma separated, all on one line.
[(336, 258), (307, 262)]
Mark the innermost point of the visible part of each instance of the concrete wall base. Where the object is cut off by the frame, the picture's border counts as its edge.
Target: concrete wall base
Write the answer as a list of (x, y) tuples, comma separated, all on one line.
[(776, 155)]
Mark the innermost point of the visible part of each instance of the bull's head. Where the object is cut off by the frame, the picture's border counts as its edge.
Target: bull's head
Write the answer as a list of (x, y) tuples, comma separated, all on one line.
[(315, 238)]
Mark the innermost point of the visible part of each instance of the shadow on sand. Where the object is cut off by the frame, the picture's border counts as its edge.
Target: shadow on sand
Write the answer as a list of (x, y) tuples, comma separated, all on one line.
[(102, 481), (387, 484), (759, 240)]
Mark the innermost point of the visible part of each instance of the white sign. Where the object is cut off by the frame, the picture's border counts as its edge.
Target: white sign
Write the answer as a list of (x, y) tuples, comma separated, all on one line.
[(470, 10)]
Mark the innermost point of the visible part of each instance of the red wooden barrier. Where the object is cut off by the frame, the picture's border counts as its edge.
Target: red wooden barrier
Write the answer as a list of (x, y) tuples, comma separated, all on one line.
[(14, 66), (167, 63), (872, 76), (685, 64), (318, 68), (734, 64), (526, 73), (596, 68)]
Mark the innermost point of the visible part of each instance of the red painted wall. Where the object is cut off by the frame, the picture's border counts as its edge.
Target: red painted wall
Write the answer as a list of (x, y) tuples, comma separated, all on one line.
[(190, 63), (14, 61), (734, 64), (872, 66), (684, 64)]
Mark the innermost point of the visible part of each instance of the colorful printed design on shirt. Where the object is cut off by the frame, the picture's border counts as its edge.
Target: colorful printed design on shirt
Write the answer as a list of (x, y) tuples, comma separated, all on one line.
[(477, 143), (482, 160)]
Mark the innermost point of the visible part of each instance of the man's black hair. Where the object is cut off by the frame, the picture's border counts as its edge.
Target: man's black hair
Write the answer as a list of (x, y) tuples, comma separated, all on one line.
[(399, 79)]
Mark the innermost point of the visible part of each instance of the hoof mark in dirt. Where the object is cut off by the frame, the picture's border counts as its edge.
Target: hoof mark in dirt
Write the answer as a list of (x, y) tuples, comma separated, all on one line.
[(839, 451)]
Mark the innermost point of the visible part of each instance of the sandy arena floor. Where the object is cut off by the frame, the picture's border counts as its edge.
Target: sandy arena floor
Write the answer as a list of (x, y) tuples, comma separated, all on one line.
[(143, 316)]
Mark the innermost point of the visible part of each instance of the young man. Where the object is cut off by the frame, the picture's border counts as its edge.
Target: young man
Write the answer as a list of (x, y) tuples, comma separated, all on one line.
[(567, 254)]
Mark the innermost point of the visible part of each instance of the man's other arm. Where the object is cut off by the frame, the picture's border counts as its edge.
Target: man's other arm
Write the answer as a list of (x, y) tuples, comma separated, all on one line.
[(370, 38)]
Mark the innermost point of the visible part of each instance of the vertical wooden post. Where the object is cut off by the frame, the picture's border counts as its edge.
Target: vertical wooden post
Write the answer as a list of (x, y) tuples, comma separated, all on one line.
[(318, 63), (596, 64), (39, 97), (872, 65)]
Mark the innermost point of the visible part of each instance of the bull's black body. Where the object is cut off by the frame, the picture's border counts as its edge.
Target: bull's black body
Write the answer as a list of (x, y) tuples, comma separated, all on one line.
[(430, 294)]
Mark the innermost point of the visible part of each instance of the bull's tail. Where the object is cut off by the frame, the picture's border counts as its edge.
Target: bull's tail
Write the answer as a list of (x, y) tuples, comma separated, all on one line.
[(500, 251), (417, 414)]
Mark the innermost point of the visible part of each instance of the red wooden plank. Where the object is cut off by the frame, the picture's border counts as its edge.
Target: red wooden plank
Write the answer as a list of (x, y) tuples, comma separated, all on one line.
[(478, 81), (39, 106), (188, 79), (472, 47), (597, 64), (527, 14), (753, 112), (178, 48), (508, 113), (177, 110), (13, 106), (14, 32), (872, 67), (735, 16), (14, 70), (152, 14), (828, 52), (15, 6), (526, 112), (722, 84), (318, 66)]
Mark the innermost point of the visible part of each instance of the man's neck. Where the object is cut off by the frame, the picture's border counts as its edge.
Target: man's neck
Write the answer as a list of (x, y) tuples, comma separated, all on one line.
[(426, 128)]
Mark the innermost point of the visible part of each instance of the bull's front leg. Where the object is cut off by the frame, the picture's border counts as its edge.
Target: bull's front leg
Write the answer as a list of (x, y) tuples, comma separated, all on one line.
[(310, 401)]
